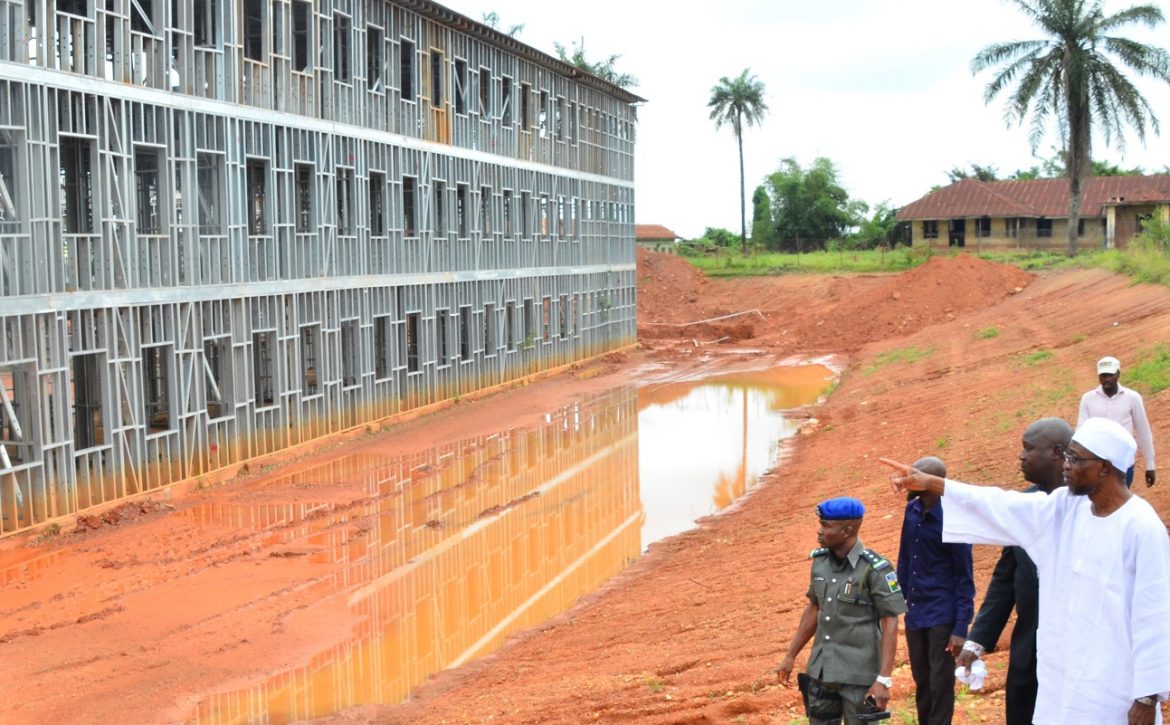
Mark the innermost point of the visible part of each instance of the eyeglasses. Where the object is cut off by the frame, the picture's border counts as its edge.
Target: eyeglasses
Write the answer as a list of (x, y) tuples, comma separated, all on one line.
[(1074, 460)]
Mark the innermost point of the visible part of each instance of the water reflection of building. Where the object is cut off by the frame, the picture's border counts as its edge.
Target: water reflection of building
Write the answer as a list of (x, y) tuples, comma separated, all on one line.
[(462, 546)]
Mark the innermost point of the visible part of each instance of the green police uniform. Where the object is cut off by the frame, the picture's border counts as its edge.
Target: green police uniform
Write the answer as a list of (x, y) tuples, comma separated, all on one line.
[(853, 595)]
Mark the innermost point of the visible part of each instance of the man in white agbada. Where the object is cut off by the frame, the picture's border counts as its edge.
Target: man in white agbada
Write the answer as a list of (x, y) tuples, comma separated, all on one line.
[(1103, 556)]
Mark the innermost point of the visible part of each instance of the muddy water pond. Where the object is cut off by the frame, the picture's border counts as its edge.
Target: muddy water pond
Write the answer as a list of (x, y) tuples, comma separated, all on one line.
[(464, 544)]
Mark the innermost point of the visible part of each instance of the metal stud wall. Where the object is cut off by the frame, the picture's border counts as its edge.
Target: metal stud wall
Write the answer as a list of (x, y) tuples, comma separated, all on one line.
[(232, 226)]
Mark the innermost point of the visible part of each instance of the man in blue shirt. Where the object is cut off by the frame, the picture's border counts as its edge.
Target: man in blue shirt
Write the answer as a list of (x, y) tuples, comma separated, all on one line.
[(939, 585)]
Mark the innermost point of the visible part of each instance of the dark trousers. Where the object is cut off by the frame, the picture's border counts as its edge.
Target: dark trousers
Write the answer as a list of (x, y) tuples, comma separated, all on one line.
[(934, 673), (1020, 692), (1129, 478)]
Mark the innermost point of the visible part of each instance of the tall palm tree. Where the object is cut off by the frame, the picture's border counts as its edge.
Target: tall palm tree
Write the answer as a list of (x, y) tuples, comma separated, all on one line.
[(734, 101), (1075, 76)]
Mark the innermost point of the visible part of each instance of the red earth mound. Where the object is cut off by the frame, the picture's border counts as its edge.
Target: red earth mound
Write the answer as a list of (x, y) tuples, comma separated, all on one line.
[(669, 290)]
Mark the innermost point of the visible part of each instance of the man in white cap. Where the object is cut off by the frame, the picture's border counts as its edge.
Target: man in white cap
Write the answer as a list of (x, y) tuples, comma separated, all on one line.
[(1103, 557), (1122, 405)]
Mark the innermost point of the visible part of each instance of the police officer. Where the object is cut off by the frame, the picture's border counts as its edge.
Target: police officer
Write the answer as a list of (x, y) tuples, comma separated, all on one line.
[(853, 605)]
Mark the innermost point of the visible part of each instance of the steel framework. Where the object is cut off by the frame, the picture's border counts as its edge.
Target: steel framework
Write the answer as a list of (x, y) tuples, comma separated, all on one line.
[(232, 226)]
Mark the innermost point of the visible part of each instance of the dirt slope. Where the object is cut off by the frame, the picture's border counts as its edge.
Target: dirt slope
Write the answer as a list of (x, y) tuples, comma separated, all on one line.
[(154, 609)]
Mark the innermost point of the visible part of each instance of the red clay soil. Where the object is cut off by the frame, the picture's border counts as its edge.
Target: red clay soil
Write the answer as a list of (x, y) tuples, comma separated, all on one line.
[(140, 618)]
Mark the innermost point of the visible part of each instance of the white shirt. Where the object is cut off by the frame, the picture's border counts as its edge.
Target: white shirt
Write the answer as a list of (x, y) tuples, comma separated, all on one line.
[(1124, 408), (1104, 633)]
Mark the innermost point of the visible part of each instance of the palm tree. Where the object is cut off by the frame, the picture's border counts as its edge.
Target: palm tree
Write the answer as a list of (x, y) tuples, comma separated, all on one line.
[(734, 101), (1074, 76)]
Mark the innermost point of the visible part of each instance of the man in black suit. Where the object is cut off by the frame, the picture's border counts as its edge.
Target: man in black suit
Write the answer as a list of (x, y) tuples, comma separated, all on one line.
[(1014, 582)]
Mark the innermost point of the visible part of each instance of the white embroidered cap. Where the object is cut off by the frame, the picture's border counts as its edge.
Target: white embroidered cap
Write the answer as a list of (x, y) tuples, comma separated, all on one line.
[(1109, 440), (1108, 365)]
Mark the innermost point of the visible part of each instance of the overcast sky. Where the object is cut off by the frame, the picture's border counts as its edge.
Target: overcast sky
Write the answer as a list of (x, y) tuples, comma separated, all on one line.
[(882, 88)]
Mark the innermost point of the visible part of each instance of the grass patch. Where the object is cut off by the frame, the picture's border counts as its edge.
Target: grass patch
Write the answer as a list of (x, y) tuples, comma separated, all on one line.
[(1033, 359), (900, 355), (654, 684), (728, 263), (942, 443), (1151, 374), (987, 333)]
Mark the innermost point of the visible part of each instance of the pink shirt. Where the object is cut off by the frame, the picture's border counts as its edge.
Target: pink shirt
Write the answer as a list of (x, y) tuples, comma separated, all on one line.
[(1125, 408)]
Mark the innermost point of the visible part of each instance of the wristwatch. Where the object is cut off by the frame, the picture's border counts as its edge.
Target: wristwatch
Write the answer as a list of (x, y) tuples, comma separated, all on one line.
[(888, 682)]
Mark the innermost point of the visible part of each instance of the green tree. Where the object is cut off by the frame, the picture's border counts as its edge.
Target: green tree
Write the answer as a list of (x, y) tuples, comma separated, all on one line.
[(1073, 75), (492, 20), (810, 205), (878, 230), (982, 173), (603, 69), (733, 102), (716, 237), (761, 218)]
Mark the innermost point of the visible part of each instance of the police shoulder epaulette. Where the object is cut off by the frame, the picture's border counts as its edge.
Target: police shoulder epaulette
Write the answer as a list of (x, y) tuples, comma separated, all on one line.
[(818, 552), (876, 560)]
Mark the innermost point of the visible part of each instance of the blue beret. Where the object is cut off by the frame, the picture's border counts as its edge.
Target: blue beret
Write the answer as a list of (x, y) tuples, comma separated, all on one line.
[(843, 508)]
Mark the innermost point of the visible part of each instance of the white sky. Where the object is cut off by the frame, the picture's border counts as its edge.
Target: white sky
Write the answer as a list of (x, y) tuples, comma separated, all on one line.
[(882, 88)]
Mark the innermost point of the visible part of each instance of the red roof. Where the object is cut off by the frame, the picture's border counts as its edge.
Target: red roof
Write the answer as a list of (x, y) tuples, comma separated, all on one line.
[(653, 231), (1037, 198)]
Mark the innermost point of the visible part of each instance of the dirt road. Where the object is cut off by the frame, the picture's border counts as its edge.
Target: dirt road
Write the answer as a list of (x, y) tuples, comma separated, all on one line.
[(143, 615)]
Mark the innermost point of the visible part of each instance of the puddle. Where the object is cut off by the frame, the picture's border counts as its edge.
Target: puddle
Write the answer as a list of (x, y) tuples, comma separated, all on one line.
[(464, 544), (703, 444)]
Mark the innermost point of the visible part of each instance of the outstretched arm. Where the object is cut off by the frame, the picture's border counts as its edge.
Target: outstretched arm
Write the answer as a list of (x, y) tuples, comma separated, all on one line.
[(906, 478)]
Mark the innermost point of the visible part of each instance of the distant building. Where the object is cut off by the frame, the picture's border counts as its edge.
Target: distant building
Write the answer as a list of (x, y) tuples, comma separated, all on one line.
[(1034, 214), (655, 237)]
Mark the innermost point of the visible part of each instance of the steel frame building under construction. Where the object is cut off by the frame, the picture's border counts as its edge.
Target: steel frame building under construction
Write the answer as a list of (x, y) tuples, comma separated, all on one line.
[(228, 227)]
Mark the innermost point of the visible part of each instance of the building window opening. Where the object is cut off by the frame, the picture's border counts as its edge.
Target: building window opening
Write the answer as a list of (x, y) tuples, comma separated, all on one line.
[(263, 367), (546, 319), (206, 26), (210, 197), (303, 182), (217, 366), (564, 317), (1080, 227), (310, 348), (440, 190), (460, 86), (930, 229), (506, 101), (529, 322), (542, 109), (413, 322), (88, 428), (351, 354), (375, 42), (525, 214), (382, 337), (525, 106), (1043, 228), (461, 210), (344, 188), (8, 186), (142, 17), (409, 194), (254, 29), (983, 227), (406, 70), (147, 192), (15, 424), (257, 198), (302, 23), (442, 317), (485, 209), (508, 227), (436, 78), (342, 31), (155, 379), (510, 325), (464, 333), (377, 204), (76, 186), (485, 93), (489, 329)]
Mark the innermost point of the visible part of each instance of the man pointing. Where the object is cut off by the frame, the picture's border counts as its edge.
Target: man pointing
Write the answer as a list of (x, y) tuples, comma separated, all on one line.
[(1103, 558)]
